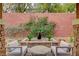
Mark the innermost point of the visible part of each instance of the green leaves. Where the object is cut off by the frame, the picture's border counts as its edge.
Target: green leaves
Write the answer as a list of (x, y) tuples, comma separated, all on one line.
[(71, 40), (41, 26), (57, 7), (20, 7), (49, 37), (40, 7), (30, 36)]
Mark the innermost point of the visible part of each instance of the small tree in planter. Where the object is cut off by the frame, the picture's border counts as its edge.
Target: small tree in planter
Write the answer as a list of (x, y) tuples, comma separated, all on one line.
[(30, 36), (49, 36)]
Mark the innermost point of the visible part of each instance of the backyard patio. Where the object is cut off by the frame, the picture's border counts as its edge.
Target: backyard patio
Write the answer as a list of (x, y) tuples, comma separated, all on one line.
[(39, 48), (39, 34)]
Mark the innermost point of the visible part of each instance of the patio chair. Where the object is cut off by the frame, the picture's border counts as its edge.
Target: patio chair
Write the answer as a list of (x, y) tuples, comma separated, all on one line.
[(64, 49), (15, 49), (67, 52)]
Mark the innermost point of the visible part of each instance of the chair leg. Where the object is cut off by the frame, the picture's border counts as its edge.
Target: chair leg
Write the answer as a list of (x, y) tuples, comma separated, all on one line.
[(26, 52), (52, 53)]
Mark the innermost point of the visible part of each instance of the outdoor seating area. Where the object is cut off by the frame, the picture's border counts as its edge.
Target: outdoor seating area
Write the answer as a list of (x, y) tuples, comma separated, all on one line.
[(39, 29), (39, 48), (15, 49), (35, 29), (39, 37)]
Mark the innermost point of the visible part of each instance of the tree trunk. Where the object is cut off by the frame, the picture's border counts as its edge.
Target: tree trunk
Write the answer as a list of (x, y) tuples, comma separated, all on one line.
[(2, 39), (76, 27)]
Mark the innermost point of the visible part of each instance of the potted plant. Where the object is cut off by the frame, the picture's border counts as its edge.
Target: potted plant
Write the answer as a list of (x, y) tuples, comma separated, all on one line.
[(49, 37), (30, 36), (40, 28), (71, 40)]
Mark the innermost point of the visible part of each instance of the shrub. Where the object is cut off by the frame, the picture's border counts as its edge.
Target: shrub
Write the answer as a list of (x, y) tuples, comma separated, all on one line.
[(41, 26)]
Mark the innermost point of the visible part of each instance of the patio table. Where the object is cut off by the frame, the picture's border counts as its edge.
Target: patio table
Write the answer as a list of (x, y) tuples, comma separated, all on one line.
[(39, 50)]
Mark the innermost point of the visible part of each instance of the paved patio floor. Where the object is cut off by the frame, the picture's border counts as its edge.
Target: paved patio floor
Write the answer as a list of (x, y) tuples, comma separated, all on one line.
[(29, 54)]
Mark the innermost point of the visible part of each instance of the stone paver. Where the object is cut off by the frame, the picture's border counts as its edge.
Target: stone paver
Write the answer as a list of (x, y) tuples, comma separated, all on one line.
[(40, 50)]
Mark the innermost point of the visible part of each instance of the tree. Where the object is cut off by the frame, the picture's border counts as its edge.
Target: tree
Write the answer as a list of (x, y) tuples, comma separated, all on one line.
[(21, 7), (41, 7), (56, 7), (71, 7)]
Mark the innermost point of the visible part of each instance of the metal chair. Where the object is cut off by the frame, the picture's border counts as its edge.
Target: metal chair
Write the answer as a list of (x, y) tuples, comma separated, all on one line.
[(68, 52), (15, 49)]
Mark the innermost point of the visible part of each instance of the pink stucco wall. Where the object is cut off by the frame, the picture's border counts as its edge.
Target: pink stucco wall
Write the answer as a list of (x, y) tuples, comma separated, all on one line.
[(63, 21)]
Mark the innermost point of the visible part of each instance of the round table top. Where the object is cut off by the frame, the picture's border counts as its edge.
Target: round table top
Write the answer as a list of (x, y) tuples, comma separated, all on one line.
[(40, 49)]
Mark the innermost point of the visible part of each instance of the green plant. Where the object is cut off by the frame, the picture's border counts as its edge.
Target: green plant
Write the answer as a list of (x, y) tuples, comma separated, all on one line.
[(30, 36), (49, 36), (56, 7), (42, 26), (20, 7), (40, 7), (71, 40)]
